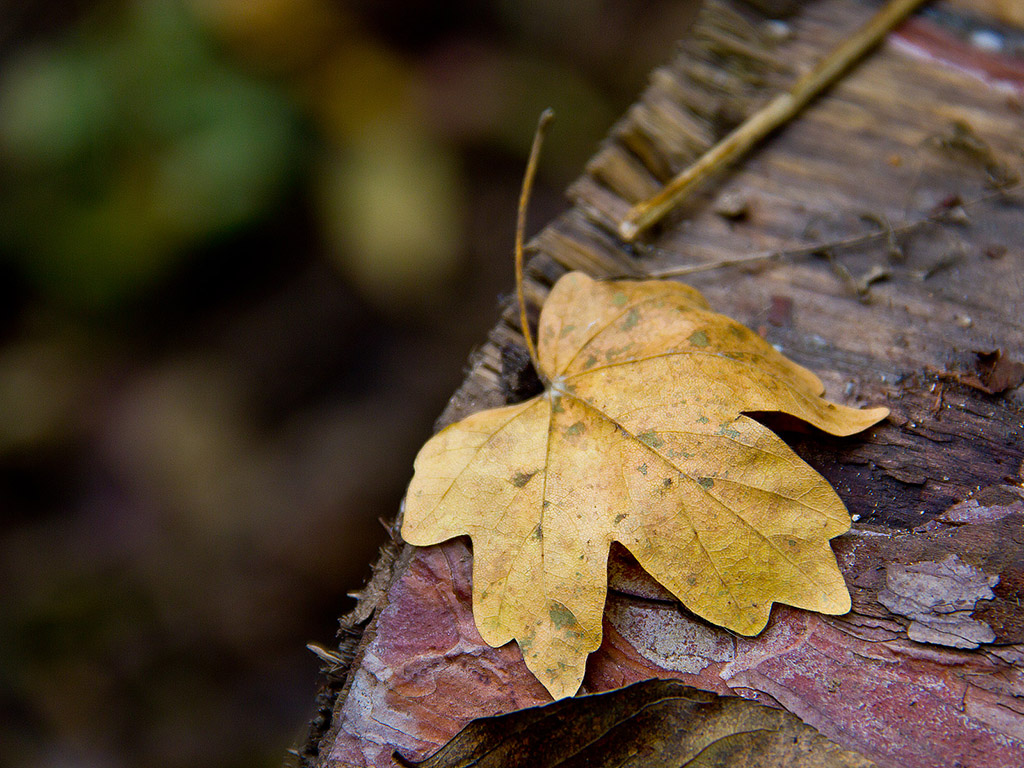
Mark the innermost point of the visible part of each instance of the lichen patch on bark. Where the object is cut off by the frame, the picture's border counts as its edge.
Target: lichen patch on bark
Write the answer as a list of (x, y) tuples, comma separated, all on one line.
[(939, 597)]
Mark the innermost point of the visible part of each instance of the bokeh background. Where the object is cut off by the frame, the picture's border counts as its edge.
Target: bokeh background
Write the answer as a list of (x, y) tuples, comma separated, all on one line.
[(246, 247)]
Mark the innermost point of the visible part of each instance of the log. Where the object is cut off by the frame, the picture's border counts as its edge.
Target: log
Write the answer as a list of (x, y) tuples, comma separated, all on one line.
[(894, 211)]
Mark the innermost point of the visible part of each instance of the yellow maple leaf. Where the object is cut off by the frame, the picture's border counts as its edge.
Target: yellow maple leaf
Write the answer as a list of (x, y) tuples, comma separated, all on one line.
[(640, 437)]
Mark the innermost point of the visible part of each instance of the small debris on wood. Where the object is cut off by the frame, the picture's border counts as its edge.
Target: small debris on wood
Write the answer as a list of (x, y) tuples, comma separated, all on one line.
[(950, 259), (996, 373), (987, 40), (733, 206), (334, 661), (960, 137), (778, 31), (893, 248), (961, 140), (780, 313), (952, 200), (939, 395), (857, 286), (993, 374), (955, 215), (876, 274)]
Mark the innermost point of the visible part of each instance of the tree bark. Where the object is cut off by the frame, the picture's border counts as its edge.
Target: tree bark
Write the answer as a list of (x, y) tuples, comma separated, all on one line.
[(919, 145)]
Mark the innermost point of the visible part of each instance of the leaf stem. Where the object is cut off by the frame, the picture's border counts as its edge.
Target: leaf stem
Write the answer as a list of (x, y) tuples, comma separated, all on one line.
[(524, 200), (778, 111)]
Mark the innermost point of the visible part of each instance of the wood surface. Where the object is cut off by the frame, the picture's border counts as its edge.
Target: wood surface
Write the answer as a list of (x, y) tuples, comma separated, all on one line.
[(928, 668)]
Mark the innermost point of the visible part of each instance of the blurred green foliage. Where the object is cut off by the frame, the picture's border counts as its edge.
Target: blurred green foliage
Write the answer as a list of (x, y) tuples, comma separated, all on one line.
[(127, 144)]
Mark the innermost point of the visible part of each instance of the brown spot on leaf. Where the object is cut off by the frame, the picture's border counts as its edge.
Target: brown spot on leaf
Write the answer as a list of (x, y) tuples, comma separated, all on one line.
[(561, 616), (522, 478), (632, 318), (650, 439), (576, 429), (698, 339)]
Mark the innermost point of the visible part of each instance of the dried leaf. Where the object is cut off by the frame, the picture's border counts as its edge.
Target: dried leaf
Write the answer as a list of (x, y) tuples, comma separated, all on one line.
[(996, 373), (653, 723), (638, 438)]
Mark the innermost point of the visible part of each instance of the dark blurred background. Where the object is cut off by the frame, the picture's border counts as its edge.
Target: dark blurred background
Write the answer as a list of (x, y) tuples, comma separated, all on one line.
[(245, 249)]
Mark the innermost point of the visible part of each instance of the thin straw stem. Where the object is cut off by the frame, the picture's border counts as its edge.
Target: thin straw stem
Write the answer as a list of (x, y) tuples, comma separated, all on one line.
[(524, 200)]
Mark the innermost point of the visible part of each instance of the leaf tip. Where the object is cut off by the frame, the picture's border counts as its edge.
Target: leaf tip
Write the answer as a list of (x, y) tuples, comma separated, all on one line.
[(561, 682), (879, 413), (872, 416), (849, 421), (843, 603)]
